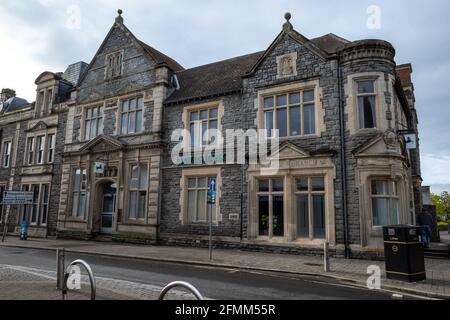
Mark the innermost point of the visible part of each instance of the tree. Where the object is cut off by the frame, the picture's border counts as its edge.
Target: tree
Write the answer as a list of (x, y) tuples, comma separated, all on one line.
[(442, 203)]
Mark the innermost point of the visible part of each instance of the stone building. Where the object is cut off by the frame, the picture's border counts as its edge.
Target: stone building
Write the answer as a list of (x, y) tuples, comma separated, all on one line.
[(341, 109)]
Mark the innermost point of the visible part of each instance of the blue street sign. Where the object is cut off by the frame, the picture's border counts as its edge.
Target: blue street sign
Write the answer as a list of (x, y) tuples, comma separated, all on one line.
[(212, 185), (211, 198)]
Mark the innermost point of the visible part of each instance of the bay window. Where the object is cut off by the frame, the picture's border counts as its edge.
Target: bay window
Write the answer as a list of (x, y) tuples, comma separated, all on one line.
[(385, 202)]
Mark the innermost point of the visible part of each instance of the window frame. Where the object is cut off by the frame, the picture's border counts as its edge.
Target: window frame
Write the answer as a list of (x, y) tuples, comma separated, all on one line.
[(6, 153), (98, 119), (135, 112), (51, 146), (271, 194), (198, 126), (40, 149), (310, 193), (390, 196), (114, 65), (197, 190), (80, 190), (38, 205), (373, 94), (138, 190), (32, 151)]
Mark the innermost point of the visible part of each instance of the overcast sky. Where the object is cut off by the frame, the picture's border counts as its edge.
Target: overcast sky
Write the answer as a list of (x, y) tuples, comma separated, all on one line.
[(40, 35)]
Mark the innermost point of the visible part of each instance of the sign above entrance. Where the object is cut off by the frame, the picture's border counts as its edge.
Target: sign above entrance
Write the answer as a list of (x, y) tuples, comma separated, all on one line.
[(17, 198), (99, 168)]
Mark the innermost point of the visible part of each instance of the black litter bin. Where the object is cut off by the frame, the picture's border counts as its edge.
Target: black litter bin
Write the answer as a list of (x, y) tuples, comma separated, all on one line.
[(404, 253)]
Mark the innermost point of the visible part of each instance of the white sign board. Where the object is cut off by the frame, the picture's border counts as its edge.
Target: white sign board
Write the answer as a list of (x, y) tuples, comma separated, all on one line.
[(411, 141), (99, 168), (17, 197)]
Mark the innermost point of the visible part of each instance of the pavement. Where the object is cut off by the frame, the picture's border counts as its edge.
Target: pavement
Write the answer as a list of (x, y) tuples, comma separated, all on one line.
[(349, 272)]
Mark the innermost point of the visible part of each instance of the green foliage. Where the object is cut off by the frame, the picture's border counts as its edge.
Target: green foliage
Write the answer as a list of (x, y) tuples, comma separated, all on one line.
[(442, 203), (443, 226)]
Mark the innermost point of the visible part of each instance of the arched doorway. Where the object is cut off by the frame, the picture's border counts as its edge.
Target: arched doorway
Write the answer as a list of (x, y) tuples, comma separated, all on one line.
[(108, 194)]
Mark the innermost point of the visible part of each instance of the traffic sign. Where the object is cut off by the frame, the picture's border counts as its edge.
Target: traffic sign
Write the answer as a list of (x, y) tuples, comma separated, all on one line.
[(212, 185), (211, 198), (18, 197)]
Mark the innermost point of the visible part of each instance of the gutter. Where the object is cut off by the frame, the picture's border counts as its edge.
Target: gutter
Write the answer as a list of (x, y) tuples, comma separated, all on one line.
[(343, 161)]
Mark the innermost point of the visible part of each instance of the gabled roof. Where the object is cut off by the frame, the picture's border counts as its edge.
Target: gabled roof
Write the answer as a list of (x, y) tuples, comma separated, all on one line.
[(104, 142), (213, 79), (157, 56), (288, 30)]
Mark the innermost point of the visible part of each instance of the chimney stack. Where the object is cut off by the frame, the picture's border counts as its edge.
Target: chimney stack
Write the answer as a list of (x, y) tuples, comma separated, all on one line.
[(7, 93)]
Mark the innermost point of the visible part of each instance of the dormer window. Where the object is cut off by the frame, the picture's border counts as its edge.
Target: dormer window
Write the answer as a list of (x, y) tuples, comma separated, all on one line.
[(114, 65)]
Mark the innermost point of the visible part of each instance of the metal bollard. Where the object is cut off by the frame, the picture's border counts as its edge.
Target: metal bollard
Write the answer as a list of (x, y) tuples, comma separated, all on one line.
[(60, 267), (326, 257)]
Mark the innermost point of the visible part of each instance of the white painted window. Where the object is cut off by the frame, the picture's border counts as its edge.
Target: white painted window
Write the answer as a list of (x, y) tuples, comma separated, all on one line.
[(202, 122), (40, 149), (79, 193), (51, 148), (197, 199), (7, 154), (30, 150), (93, 122), (367, 104)]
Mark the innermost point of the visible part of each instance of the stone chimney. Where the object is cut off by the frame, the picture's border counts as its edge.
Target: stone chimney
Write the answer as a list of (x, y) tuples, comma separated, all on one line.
[(7, 93)]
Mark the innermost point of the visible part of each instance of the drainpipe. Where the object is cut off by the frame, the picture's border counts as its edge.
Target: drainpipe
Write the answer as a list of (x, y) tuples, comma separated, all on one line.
[(343, 161)]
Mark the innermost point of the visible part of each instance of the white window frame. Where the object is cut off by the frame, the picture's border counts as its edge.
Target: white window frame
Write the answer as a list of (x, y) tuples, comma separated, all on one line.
[(51, 145), (198, 126), (197, 190), (40, 149), (390, 196), (129, 112), (88, 120), (82, 189), (138, 190), (6, 154)]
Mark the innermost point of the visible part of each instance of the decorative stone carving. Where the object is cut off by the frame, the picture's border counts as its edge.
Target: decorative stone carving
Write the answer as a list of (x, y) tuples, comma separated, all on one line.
[(287, 65), (390, 138)]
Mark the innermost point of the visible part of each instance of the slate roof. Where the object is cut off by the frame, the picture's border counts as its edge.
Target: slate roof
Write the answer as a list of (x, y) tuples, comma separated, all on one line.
[(74, 71), (213, 79), (13, 104), (161, 57), (330, 43)]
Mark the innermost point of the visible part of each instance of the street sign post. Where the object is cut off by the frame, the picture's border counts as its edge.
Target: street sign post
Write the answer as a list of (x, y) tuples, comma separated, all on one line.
[(14, 198), (211, 201)]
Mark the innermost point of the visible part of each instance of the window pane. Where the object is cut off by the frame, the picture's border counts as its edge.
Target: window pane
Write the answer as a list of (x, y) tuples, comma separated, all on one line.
[(213, 113), (282, 122), (202, 206), (202, 183), (87, 134), (278, 216), (379, 187), (77, 180), (192, 183), (82, 204), (294, 98), (194, 116), (192, 132), (139, 121), (132, 105), (380, 212), (395, 214), (366, 87), (302, 216), (204, 133), (191, 206), (144, 177), (263, 207), (203, 114), (268, 103), (212, 127), (309, 119), (302, 184), (319, 216), (94, 112), (295, 121), (308, 96), (124, 123), (93, 129), (75, 204), (125, 105), (367, 116), (394, 188), (263, 185), (132, 122), (132, 206), (318, 184), (277, 185), (281, 100), (139, 104), (100, 125), (269, 123), (142, 201)]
